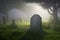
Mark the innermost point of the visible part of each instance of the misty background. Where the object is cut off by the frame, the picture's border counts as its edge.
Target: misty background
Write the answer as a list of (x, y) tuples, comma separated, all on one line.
[(20, 9)]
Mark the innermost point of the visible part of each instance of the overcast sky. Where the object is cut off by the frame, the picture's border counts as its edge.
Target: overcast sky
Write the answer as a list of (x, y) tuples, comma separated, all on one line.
[(32, 9), (23, 9)]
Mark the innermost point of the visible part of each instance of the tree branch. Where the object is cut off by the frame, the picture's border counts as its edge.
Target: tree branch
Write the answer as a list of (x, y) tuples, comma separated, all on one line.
[(51, 9), (49, 12)]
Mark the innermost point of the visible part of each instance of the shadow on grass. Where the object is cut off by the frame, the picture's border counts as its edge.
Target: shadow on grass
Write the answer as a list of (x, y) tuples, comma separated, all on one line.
[(34, 35)]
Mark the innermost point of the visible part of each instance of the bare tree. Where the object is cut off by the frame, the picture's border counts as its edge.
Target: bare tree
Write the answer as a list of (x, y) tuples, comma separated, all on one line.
[(51, 5)]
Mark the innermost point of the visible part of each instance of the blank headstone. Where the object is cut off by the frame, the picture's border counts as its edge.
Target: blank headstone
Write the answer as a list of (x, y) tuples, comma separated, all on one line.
[(4, 21), (13, 25), (35, 32), (35, 23), (13, 21)]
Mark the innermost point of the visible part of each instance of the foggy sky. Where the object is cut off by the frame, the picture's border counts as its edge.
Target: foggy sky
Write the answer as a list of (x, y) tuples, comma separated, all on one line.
[(8, 5), (17, 14)]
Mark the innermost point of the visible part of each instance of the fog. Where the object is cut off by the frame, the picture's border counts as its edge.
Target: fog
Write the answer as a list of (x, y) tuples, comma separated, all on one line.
[(17, 14), (26, 13)]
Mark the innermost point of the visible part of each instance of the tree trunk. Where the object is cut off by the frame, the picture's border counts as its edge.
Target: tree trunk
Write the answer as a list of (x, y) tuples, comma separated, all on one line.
[(55, 14)]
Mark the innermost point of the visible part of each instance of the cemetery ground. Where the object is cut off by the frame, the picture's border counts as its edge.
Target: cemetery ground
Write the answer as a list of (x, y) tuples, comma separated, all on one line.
[(16, 32)]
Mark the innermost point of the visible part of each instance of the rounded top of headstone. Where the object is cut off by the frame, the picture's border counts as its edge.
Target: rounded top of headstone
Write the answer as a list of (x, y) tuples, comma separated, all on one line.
[(36, 15)]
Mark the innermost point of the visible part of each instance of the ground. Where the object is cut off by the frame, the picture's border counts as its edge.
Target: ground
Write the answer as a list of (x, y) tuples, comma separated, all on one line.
[(10, 33)]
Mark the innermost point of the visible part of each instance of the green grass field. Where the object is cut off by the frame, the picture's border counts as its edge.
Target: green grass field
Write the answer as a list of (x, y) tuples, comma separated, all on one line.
[(8, 32)]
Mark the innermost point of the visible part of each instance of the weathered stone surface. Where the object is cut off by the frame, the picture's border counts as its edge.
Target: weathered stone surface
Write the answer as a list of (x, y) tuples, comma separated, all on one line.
[(13, 21), (35, 32), (36, 23), (4, 20)]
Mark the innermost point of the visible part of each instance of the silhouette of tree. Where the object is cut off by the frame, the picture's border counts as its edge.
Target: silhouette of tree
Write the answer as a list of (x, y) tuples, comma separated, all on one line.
[(51, 5)]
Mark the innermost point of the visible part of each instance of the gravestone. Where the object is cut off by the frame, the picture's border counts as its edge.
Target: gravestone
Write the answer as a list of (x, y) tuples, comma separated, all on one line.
[(35, 32), (13, 21), (35, 23), (4, 20), (13, 25)]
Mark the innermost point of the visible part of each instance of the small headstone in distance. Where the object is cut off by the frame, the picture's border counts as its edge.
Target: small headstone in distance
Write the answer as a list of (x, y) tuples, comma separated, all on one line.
[(13, 21), (13, 25), (4, 21)]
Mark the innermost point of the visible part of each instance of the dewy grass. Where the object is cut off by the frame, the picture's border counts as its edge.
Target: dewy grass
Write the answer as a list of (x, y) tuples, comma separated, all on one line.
[(23, 24), (16, 34)]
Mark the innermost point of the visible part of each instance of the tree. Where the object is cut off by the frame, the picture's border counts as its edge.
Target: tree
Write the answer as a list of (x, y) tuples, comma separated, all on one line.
[(51, 5)]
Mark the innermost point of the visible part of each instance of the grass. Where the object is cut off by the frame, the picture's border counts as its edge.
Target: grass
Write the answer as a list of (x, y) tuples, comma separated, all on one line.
[(53, 31), (8, 32)]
